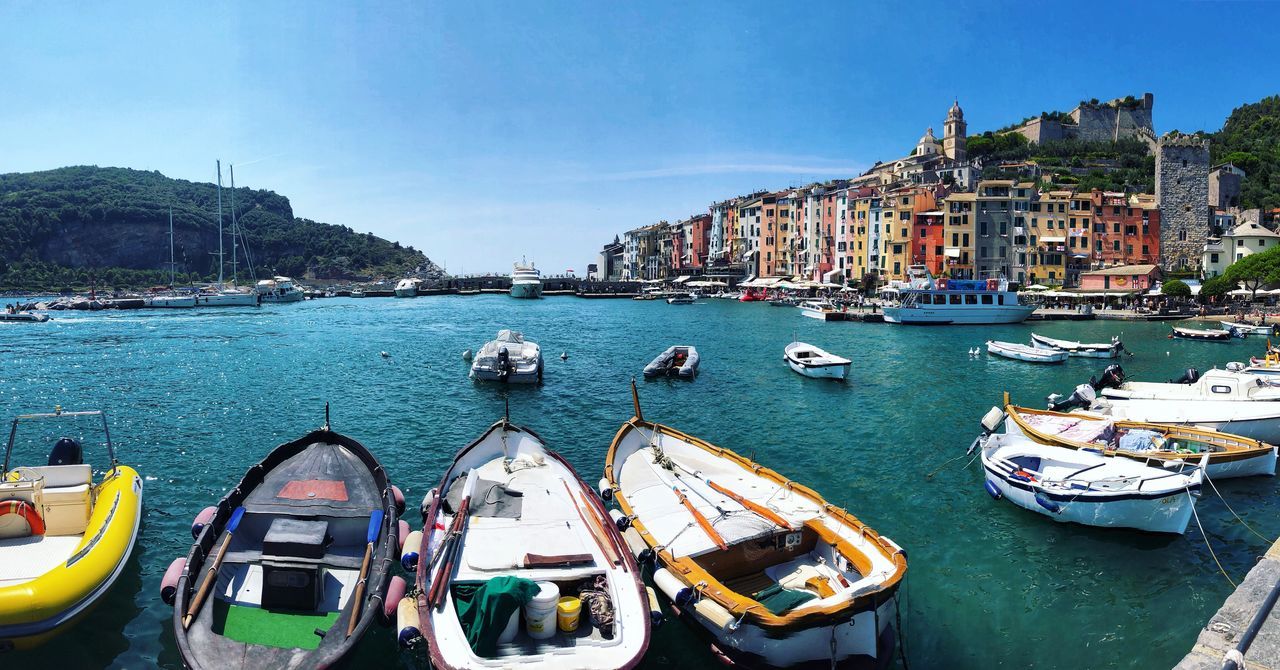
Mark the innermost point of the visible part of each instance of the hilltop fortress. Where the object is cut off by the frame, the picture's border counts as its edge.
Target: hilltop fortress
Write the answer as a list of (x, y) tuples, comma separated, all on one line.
[(1093, 121)]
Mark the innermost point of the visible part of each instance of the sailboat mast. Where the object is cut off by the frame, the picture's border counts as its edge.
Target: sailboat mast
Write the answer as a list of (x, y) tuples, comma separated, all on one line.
[(172, 266), (219, 223), (235, 231)]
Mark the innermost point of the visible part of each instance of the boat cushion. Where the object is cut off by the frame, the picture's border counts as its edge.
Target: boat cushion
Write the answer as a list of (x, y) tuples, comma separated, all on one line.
[(64, 475), (779, 600), (66, 508)]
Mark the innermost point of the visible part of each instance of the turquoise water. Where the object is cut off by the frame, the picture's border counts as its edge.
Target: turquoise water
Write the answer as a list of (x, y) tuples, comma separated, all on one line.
[(195, 397)]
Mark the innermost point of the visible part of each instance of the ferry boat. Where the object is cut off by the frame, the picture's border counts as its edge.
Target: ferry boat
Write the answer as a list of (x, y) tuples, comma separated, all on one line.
[(280, 289), (925, 300), (526, 281), (408, 288)]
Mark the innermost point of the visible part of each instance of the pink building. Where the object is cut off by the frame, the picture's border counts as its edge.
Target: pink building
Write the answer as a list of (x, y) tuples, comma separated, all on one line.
[(1120, 278)]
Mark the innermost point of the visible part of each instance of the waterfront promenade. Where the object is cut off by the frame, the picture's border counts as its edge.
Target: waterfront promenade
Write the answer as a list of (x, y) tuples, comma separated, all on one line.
[(1220, 637)]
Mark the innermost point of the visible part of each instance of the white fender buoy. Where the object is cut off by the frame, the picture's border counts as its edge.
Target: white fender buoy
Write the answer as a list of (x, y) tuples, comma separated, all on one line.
[(564, 356), (384, 354), (396, 589), (204, 518), (402, 532), (428, 500), (606, 491), (707, 608), (409, 555), (466, 355), (398, 496), (655, 610), (169, 583), (407, 631), (630, 536)]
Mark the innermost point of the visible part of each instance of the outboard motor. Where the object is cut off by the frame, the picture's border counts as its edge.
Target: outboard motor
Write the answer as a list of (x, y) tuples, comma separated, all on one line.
[(1081, 398), (66, 452), (504, 362), (1188, 377), (1112, 377)]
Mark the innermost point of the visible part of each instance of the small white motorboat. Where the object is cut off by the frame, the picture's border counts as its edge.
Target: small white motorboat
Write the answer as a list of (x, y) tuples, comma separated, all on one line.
[(408, 287), (1081, 349), (511, 538), (1021, 352), (1241, 329), (815, 362), (821, 309), (23, 317), (509, 358), (1077, 486), (1198, 334), (676, 361)]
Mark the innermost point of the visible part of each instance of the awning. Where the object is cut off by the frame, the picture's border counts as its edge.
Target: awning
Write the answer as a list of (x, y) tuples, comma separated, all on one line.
[(951, 253), (1053, 240), (827, 276)]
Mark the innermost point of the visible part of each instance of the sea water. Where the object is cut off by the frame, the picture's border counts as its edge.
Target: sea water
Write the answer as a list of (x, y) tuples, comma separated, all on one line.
[(195, 397)]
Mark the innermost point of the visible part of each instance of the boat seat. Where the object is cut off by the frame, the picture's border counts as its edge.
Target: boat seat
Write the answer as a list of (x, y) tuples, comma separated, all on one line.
[(57, 476)]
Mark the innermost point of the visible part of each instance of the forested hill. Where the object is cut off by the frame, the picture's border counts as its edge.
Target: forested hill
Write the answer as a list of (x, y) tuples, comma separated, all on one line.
[(1251, 140), (73, 225)]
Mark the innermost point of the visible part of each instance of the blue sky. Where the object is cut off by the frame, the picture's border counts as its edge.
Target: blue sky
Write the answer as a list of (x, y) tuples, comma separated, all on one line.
[(481, 132)]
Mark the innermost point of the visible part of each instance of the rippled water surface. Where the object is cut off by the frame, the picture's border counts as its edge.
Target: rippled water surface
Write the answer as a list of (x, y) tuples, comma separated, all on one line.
[(195, 397)]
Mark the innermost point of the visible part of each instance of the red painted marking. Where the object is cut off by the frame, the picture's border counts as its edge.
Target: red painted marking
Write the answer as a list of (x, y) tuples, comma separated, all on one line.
[(311, 489)]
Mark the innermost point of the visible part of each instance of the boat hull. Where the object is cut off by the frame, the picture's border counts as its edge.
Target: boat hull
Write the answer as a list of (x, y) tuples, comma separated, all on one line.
[(521, 375), (526, 290), (228, 300), (833, 371), (1027, 354), (1156, 513), (287, 296), (176, 301), (957, 315), (821, 316), (1075, 349), (407, 292)]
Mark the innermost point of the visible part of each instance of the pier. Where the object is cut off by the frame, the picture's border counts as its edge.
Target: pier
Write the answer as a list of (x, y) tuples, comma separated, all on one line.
[(1247, 618)]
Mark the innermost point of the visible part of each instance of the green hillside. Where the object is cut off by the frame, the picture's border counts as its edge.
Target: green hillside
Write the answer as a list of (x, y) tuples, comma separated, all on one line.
[(1251, 140), (110, 226)]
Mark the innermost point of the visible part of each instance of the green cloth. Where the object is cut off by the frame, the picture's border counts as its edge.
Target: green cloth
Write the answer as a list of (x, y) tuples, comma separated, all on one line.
[(779, 600), (484, 609), (270, 628)]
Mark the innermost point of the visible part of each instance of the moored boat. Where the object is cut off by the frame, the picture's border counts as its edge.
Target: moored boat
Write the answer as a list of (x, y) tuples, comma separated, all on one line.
[(678, 361), (812, 361), (407, 288), (924, 300), (171, 301), (292, 566), (508, 358), (226, 297), (1110, 349), (775, 574), (511, 537), (1022, 352), (64, 538), (1076, 486), (681, 299), (279, 289), (1238, 329), (821, 309), (526, 281), (16, 316), (1199, 334)]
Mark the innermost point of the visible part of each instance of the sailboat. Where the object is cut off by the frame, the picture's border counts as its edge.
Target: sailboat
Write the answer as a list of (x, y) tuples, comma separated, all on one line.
[(223, 295), (169, 298)]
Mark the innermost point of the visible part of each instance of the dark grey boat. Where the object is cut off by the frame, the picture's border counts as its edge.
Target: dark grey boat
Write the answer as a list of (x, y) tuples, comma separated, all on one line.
[(295, 553)]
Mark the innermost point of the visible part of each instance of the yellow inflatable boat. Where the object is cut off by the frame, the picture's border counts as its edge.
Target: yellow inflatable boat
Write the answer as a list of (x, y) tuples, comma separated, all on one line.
[(63, 538)]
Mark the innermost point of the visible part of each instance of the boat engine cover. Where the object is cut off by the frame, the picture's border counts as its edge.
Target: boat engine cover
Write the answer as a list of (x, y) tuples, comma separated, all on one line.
[(67, 451)]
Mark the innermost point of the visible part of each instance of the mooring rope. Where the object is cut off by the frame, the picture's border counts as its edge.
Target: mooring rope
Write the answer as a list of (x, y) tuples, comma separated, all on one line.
[(1233, 512), (1196, 514)]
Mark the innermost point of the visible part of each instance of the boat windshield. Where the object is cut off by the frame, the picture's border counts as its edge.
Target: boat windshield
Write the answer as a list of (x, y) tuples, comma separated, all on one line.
[(57, 438)]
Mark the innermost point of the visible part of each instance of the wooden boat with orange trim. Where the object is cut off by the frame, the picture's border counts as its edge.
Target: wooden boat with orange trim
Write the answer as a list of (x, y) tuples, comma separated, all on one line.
[(778, 576), (1229, 455)]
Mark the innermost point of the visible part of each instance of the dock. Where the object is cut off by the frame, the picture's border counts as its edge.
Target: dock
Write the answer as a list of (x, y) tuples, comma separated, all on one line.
[(1249, 609)]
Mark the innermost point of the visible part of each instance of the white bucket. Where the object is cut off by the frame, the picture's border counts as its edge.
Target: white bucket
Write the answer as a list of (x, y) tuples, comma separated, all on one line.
[(513, 627), (540, 613)]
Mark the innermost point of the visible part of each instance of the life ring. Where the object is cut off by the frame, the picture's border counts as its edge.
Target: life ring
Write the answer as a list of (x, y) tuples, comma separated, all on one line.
[(25, 510), (992, 284)]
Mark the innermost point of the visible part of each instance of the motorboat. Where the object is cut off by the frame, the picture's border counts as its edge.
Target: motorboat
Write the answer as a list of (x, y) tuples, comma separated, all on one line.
[(1081, 349), (280, 289), (1199, 334), (924, 300), (509, 358), (775, 574), (526, 281), (1228, 385), (408, 288), (357, 293), (511, 537), (821, 309), (680, 299), (1022, 352), (16, 316), (171, 301), (812, 361), (676, 361), (1238, 329), (292, 566), (1229, 455), (64, 537), (1088, 488)]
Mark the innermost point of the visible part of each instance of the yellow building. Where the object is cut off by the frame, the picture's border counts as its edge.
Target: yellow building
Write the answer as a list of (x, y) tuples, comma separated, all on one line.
[(958, 234), (898, 214)]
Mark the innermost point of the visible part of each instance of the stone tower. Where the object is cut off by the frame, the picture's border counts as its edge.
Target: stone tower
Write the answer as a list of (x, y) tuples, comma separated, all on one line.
[(953, 134), (1182, 192)]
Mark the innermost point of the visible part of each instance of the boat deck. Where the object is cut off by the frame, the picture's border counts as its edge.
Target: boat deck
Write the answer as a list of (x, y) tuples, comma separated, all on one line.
[(23, 559)]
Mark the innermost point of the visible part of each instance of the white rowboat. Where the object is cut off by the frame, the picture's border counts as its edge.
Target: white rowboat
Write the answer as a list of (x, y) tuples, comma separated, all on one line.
[(1021, 352), (812, 361), (1080, 349)]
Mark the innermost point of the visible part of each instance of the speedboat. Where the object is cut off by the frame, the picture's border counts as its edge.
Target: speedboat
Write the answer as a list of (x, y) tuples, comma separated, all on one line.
[(526, 281), (680, 299), (1241, 329), (1021, 352), (292, 566), (676, 361), (509, 358), (16, 316), (280, 289), (64, 537), (821, 309), (775, 574), (520, 566), (407, 288), (1229, 455), (1084, 487), (1198, 334), (815, 362), (1081, 349)]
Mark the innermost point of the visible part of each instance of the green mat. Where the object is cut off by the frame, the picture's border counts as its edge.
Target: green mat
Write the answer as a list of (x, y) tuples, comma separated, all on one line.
[(779, 600), (284, 630)]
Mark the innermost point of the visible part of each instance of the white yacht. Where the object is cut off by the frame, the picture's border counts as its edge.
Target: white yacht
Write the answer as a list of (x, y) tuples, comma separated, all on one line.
[(280, 289), (408, 288), (925, 300), (526, 281), (171, 300), (509, 358)]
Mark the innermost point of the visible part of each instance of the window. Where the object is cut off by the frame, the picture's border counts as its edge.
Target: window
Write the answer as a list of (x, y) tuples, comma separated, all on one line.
[(1239, 243), (982, 228), (939, 298), (955, 299), (1213, 258), (1115, 227), (1182, 236), (1000, 299), (986, 299), (970, 299)]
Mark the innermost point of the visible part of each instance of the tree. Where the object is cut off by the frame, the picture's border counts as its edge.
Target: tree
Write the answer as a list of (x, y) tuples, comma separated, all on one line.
[(1176, 288), (1255, 270), (1215, 287)]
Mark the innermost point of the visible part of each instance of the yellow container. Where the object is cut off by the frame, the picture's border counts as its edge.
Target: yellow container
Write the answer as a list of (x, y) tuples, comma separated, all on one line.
[(568, 612)]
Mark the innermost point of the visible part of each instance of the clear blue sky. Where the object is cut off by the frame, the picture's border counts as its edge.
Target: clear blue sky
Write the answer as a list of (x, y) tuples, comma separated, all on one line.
[(480, 132)]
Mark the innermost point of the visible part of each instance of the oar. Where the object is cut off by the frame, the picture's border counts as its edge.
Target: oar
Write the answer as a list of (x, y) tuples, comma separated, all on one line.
[(211, 575), (449, 547), (702, 520), (375, 525), (606, 547), (755, 507)]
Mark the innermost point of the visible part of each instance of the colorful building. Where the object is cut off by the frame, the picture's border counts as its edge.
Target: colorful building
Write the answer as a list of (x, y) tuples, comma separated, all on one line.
[(958, 235), (1126, 229)]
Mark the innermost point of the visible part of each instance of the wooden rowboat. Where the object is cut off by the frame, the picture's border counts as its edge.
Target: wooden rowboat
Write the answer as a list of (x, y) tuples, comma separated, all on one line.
[(775, 574), (1197, 334)]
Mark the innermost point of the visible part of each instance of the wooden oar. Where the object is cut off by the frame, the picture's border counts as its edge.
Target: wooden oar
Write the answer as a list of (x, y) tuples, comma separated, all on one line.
[(451, 542), (702, 520), (755, 507), (375, 525), (602, 523), (606, 548), (210, 576)]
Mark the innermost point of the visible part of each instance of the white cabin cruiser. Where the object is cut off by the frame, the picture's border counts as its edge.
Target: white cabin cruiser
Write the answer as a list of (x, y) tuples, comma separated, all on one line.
[(526, 281), (509, 358), (815, 362), (408, 288), (821, 309), (280, 289), (924, 300)]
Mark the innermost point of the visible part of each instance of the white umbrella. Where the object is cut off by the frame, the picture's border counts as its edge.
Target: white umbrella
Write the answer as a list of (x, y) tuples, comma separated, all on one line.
[(1037, 287)]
